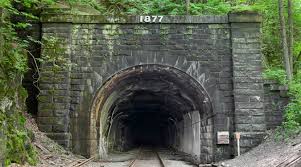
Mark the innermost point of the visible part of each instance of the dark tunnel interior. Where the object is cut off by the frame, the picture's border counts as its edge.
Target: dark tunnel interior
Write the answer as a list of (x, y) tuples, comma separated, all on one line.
[(146, 117), (147, 120)]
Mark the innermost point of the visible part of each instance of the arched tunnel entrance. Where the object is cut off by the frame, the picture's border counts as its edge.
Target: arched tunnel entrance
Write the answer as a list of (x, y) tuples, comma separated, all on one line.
[(155, 106)]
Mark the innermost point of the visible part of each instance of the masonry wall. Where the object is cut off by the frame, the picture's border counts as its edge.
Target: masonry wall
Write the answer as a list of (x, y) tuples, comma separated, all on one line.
[(202, 51), (222, 53), (54, 99), (247, 81), (275, 100)]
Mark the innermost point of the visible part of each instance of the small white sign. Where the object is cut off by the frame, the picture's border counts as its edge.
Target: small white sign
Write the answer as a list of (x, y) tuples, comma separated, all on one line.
[(223, 137), (151, 19)]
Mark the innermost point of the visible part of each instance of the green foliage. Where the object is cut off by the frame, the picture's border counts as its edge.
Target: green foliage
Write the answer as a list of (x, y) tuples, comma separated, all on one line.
[(92, 3), (13, 63), (270, 30), (292, 116), (216, 7), (276, 74), (18, 146), (162, 7), (271, 46), (293, 110), (273, 54), (140, 7), (55, 55), (15, 144), (55, 63)]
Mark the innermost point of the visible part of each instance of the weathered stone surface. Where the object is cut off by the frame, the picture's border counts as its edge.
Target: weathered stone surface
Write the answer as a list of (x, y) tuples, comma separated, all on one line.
[(247, 80), (228, 68), (245, 17), (274, 103)]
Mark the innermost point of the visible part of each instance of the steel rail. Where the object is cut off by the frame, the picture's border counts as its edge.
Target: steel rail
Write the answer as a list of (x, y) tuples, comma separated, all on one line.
[(132, 164), (160, 159)]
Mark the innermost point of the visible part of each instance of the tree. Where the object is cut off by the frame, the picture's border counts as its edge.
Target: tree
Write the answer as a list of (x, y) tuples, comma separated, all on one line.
[(290, 32), (284, 41), (187, 6)]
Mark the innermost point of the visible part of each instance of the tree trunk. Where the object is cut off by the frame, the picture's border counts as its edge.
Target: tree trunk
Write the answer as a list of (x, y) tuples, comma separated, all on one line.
[(1, 37), (187, 6), (290, 33), (284, 41)]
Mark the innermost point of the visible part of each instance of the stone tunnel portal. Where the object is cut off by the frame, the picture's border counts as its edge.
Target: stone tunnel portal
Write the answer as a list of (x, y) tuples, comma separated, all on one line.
[(153, 105)]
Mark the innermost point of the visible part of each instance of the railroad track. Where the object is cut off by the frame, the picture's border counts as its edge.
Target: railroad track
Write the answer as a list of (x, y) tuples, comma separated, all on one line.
[(142, 160), (132, 164), (160, 159)]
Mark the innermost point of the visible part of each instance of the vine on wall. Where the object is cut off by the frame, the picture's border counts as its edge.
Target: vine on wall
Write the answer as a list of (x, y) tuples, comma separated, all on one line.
[(15, 140), (13, 63)]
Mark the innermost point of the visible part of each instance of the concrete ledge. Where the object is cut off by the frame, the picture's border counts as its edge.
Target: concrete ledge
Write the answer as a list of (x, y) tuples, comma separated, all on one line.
[(245, 17), (75, 18), (65, 13), (275, 86)]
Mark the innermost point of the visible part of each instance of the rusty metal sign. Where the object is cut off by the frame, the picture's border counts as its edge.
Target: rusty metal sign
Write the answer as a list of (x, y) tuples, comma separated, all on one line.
[(223, 137)]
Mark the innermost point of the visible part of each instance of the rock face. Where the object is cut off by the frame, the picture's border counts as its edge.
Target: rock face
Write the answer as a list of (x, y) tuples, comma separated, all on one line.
[(174, 83)]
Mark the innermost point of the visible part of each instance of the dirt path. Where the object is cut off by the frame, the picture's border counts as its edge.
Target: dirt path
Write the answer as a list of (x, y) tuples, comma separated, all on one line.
[(50, 154), (270, 153)]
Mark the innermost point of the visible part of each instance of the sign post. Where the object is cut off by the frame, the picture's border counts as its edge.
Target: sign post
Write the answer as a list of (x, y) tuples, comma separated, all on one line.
[(237, 136)]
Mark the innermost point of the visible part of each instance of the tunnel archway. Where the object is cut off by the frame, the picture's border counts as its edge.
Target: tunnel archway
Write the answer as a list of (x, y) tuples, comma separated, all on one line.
[(153, 105)]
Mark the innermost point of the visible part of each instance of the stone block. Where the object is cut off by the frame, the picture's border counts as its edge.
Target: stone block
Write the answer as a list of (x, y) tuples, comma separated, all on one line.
[(249, 119), (45, 112), (249, 105), (61, 112), (250, 127), (64, 143), (45, 128), (60, 128), (253, 112), (59, 136), (46, 120)]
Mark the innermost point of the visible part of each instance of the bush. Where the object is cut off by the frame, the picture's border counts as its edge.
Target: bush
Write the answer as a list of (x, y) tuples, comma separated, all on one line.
[(276, 74), (292, 115), (15, 143), (293, 110)]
